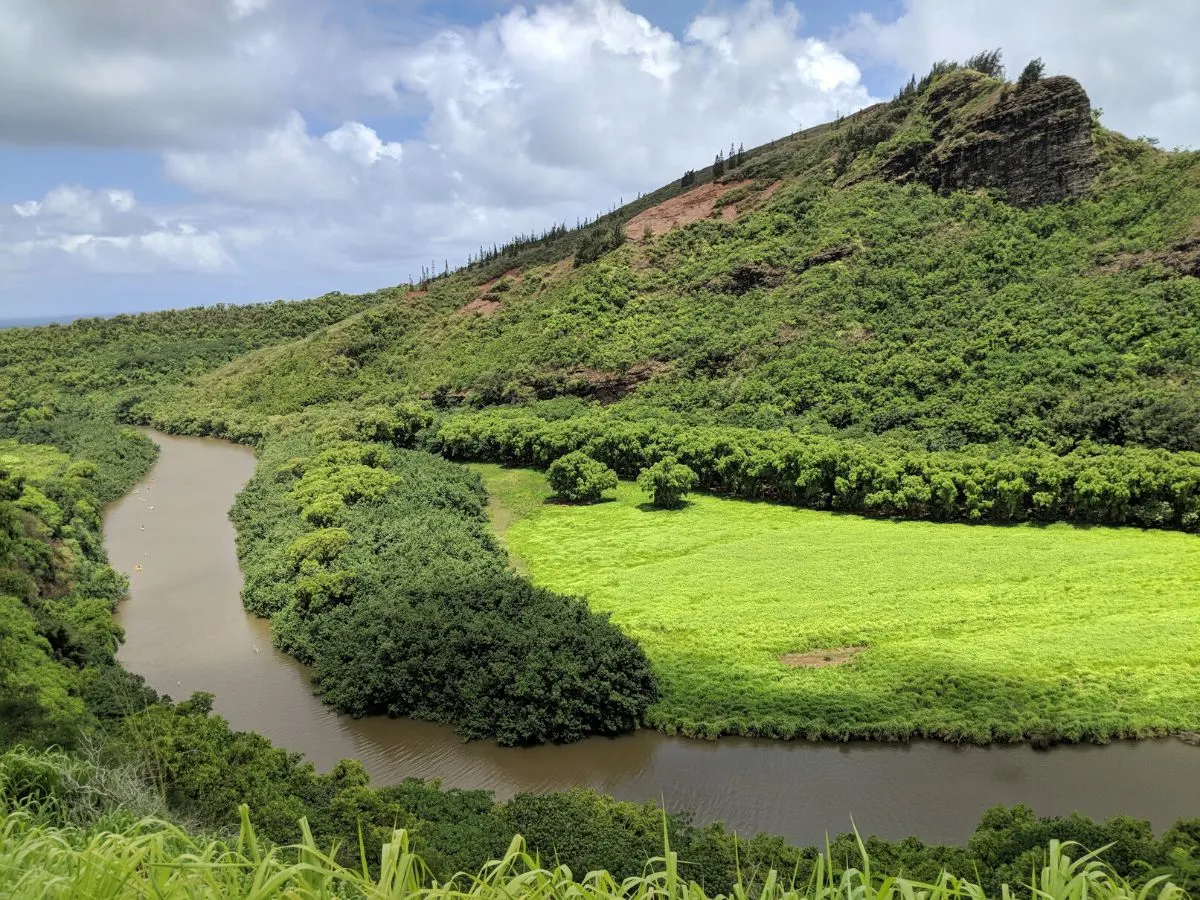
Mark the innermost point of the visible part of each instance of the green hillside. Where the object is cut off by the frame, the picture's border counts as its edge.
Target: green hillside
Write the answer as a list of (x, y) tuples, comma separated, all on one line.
[(1025, 349), (848, 304)]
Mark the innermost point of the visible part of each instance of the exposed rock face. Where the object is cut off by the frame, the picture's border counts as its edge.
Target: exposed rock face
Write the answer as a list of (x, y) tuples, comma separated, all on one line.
[(1034, 143), (821, 257), (749, 276)]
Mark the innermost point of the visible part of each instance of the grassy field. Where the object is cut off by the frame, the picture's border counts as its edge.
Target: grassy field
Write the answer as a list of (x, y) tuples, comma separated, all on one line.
[(969, 632)]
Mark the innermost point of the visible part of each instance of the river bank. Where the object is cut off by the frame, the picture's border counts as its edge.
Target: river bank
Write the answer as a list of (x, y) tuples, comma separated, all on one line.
[(187, 631)]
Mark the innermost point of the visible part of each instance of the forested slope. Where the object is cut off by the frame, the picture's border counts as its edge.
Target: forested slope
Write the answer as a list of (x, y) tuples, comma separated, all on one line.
[(890, 345)]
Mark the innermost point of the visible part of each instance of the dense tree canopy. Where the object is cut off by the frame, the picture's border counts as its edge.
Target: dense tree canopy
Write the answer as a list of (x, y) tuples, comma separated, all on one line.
[(377, 567), (667, 482)]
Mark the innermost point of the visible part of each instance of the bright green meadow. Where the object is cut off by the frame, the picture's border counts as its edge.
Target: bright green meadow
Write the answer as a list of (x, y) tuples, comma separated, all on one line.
[(972, 633)]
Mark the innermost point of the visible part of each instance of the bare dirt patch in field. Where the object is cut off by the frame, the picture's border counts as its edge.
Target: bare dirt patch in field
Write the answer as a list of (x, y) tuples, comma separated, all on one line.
[(560, 268), (608, 387), (820, 659)]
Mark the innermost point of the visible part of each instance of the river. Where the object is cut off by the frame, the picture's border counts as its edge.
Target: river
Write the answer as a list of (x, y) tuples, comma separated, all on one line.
[(186, 631)]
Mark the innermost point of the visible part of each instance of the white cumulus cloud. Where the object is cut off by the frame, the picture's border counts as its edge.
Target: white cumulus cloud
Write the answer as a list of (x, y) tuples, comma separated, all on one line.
[(154, 73), (452, 137), (580, 94), (103, 230), (289, 166), (534, 117)]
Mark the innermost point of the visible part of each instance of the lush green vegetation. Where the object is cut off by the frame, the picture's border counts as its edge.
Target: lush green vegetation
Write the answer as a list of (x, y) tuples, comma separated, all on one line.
[(847, 343), (961, 632), (112, 361), (861, 345), (578, 478), (950, 321), (66, 822), (843, 342), (68, 385), (512, 662), (1113, 485), (156, 859), (667, 482), (82, 817), (376, 567), (58, 679)]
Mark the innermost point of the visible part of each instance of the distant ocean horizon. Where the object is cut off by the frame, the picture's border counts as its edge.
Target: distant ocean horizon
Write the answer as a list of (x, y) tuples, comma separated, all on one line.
[(34, 321)]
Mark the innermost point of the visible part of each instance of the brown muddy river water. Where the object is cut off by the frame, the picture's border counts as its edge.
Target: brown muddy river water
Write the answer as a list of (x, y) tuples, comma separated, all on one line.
[(186, 631)]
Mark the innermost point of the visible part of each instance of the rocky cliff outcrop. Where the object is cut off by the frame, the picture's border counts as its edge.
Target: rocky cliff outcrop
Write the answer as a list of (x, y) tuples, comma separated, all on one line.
[(1033, 143)]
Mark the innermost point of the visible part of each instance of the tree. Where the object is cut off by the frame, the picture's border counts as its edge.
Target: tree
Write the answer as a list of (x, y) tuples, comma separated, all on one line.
[(988, 62), (579, 478), (719, 166), (667, 482), (1032, 73), (598, 241)]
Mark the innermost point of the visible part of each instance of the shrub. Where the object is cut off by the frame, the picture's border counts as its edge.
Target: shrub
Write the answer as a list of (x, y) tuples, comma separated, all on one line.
[(667, 482), (597, 241), (323, 545), (490, 653), (579, 478)]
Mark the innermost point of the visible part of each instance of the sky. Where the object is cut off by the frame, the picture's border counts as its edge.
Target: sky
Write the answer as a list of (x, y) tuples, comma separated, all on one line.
[(166, 153)]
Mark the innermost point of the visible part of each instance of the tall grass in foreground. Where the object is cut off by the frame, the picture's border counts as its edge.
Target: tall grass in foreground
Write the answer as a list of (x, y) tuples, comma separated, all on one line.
[(152, 858)]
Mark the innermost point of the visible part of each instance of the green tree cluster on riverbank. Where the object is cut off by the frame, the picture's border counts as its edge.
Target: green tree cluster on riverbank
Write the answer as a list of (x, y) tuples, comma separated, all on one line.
[(68, 385), (58, 677), (1096, 484), (378, 568), (141, 756)]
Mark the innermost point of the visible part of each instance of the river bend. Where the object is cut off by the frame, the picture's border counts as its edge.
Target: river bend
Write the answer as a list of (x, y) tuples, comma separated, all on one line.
[(186, 631)]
